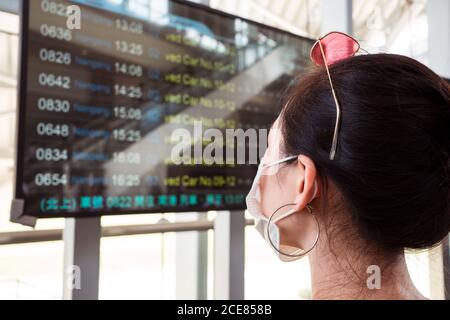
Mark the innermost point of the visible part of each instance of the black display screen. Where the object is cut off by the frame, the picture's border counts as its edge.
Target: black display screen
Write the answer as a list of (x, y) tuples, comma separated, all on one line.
[(99, 105)]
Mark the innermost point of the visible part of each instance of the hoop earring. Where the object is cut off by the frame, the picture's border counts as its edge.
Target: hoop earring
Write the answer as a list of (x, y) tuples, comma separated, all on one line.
[(310, 211)]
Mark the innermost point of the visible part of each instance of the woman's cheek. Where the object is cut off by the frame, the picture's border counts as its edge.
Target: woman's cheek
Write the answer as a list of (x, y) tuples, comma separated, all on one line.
[(271, 195)]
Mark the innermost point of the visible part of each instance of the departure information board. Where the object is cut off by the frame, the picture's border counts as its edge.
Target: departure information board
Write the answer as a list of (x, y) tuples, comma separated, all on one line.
[(99, 104)]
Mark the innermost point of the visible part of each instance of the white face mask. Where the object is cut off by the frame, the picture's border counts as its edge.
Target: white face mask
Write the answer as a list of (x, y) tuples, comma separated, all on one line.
[(254, 207)]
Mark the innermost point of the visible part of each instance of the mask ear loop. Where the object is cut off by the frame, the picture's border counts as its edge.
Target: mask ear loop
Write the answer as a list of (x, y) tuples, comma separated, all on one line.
[(310, 211)]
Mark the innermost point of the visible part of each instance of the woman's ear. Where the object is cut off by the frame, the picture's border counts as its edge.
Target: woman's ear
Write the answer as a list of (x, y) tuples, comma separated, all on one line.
[(308, 188)]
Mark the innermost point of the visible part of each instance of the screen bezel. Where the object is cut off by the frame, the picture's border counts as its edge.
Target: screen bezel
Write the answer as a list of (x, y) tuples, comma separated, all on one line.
[(22, 103)]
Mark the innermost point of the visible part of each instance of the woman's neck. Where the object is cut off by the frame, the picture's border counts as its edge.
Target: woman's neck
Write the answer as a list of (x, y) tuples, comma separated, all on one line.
[(359, 274)]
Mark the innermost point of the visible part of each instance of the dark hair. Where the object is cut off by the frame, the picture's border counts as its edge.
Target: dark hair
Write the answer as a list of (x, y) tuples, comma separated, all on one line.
[(392, 160)]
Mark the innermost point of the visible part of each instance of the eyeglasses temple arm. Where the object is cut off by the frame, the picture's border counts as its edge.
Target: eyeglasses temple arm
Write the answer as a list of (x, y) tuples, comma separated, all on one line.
[(279, 161)]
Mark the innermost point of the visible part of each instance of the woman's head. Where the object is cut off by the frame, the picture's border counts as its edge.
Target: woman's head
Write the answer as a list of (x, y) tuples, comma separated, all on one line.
[(392, 163)]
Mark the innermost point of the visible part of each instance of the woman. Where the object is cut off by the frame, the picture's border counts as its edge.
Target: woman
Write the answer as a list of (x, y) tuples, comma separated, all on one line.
[(357, 170)]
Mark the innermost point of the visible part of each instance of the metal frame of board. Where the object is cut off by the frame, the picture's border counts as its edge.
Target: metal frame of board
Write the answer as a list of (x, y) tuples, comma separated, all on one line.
[(18, 216)]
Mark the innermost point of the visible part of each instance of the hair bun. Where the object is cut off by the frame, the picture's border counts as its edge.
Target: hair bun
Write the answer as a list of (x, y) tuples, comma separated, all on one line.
[(392, 164)]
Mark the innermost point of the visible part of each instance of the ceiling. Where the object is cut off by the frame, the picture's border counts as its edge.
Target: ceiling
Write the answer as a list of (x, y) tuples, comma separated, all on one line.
[(397, 26)]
